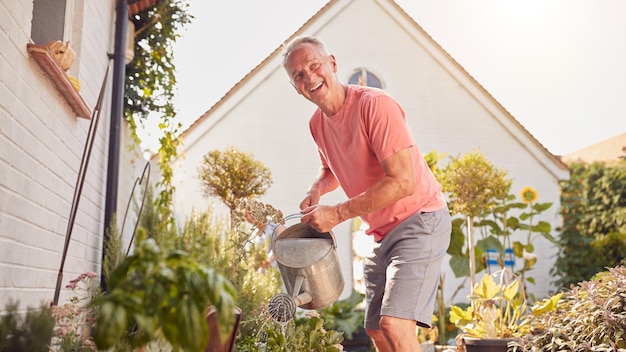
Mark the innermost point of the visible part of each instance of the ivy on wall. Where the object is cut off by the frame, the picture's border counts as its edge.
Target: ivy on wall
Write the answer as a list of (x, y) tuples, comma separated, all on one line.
[(150, 86)]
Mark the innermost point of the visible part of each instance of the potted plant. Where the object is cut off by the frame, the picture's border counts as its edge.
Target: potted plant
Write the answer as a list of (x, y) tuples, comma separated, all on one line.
[(497, 313), (155, 295)]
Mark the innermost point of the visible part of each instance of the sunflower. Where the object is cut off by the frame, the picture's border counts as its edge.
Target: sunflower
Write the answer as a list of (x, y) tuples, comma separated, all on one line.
[(529, 195)]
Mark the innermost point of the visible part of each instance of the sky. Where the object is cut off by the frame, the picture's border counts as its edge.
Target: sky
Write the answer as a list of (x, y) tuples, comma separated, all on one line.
[(558, 66)]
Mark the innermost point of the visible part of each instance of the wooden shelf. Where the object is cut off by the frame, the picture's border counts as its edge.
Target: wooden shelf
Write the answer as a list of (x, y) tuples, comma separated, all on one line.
[(48, 63)]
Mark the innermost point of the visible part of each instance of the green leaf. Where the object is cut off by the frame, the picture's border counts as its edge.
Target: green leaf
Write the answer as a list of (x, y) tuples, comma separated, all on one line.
[(487, 288), (511, 290), (490, 242), (457, 238), (547, 305), (460, 316), (540, 207), (459, 266), (111, 325), (542, 227), (518, 249)]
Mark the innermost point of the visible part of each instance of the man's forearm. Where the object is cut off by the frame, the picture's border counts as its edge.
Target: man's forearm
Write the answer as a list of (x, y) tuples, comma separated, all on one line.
[(382, 194), (326, 182)]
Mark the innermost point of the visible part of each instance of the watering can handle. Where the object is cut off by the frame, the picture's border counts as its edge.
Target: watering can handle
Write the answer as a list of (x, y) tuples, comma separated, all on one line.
[(293, 216), (298, 216)]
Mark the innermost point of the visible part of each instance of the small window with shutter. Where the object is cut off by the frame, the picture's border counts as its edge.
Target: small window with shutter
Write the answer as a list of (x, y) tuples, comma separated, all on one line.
[(51, 20)]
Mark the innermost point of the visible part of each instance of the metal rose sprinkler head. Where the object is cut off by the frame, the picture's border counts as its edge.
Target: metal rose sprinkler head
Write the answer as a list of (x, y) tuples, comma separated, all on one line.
[(282, 308)]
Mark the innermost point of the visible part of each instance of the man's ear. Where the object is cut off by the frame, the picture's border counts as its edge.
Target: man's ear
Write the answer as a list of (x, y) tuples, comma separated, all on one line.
[(333, 62)]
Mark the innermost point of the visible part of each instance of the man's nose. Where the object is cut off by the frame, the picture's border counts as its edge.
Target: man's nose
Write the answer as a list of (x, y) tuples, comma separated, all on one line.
[(308, 75)]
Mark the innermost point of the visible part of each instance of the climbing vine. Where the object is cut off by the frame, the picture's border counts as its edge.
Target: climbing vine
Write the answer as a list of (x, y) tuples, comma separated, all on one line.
[(150, 86)]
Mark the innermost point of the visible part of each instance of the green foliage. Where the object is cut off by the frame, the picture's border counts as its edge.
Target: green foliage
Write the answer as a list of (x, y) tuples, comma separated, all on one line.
[(229, 250), (480, 191), (306, 333), (151, 76), (311, 336), (232, 175), (593, 206), (25, 332), (497, 228), (432, 158), (113, 252), (150, 83), (590, 316), (344, 315), (474, 184), (234, 253), (154, 294)]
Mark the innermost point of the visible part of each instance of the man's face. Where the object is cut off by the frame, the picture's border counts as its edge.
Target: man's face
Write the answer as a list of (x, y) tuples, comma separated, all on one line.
[(312, 73)]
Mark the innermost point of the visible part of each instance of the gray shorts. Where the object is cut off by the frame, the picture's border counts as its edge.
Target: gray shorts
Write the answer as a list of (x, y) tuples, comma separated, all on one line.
[(402, 274)]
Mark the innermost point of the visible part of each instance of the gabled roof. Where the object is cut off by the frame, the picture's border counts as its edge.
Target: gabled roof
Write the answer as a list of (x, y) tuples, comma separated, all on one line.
[(610, 151), (432, 43)]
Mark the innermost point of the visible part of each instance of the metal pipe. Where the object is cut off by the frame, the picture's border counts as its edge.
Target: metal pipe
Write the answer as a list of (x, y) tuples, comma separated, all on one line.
[(117, 113)]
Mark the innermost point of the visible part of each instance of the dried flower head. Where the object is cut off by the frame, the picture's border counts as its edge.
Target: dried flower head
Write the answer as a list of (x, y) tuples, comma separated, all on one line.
[(259, 211)]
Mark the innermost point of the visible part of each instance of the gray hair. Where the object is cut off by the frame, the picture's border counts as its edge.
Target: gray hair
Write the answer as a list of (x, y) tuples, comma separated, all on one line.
[(296, 42)]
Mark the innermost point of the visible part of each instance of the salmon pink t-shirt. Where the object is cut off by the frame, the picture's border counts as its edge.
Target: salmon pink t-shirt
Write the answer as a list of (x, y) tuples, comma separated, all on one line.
[(369, 127)]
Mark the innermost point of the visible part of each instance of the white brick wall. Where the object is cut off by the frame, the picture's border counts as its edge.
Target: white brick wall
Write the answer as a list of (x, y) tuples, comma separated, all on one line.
[(41, 147)]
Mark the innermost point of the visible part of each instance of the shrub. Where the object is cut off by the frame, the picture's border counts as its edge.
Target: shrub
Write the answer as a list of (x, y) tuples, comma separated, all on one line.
[(593, 206), (590, 316), (25, 332)]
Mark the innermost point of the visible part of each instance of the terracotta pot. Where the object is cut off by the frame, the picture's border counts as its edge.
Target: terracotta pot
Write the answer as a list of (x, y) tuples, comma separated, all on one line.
[(215, 343)]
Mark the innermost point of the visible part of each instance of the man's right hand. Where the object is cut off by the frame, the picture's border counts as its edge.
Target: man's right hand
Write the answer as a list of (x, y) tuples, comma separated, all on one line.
[(312, 199)]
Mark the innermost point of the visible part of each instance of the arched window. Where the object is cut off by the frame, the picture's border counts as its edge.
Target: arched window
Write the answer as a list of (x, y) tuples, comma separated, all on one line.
[(364, 77)]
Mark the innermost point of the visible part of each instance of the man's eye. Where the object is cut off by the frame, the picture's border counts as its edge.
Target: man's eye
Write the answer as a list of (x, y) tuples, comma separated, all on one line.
[(315, 66), (298, 77)]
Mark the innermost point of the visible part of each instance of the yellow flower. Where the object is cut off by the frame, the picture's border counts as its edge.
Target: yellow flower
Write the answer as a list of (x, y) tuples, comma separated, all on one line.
[(529, 195)]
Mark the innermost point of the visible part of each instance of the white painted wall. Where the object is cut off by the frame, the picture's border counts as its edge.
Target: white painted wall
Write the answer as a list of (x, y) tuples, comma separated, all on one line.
[(447, 110), (41, 144)]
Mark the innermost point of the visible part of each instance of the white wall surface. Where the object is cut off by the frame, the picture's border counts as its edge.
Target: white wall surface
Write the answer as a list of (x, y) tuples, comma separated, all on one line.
[(42, 143)]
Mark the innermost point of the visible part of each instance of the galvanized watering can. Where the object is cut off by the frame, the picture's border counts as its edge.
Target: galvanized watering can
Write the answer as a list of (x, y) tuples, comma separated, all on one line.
[(309, 265)]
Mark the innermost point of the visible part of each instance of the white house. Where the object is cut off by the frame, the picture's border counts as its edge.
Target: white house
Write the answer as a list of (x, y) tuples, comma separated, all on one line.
[(45, 126), (448, 111)]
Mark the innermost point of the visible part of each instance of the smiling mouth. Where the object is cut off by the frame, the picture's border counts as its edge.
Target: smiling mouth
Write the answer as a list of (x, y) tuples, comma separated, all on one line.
[(316, 88)]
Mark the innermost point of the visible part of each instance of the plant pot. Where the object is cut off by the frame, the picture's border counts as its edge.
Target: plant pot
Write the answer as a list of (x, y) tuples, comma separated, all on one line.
[(359, 342), (475, 344), (216, 343)]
